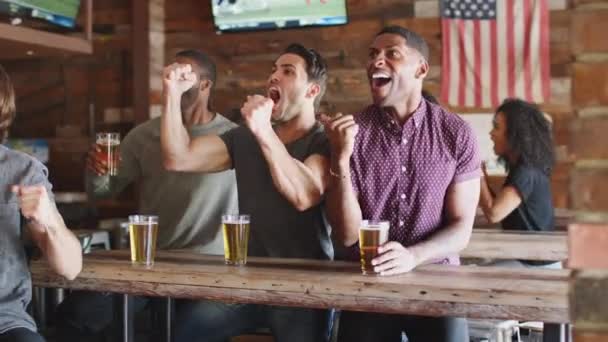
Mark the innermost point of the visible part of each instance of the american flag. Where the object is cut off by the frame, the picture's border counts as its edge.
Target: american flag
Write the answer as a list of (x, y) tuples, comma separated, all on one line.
[(494, 49)]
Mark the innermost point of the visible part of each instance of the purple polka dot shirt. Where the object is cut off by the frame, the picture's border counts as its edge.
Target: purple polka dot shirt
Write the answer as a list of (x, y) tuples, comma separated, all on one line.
[(402, 173)]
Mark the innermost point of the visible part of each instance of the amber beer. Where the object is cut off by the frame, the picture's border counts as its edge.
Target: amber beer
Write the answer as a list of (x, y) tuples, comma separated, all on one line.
[(236, 238), (108, 149), (143, 231), (372, 234)]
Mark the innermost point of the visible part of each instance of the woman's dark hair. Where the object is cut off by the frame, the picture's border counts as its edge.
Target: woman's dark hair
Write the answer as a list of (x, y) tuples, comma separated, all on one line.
[(7, 104), (316, 68), (528, 134)]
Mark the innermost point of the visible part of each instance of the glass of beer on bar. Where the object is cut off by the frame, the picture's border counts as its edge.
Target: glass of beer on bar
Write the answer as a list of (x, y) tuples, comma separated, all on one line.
[(108, 147), (143, 230), (372, 234), (236, 238)]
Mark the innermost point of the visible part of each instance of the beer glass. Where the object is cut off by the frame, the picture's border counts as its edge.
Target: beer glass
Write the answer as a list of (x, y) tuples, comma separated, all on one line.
[(236, 238), (372, 234), (108, 149), (143, 230)]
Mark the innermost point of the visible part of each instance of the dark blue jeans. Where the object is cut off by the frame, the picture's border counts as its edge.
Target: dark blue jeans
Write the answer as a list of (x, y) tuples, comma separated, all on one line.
[(20, 335), (87, 316), (211, 321)]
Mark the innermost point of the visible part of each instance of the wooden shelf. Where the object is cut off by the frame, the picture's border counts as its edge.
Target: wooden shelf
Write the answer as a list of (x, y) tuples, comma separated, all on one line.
[(21, 42), (18, 42)]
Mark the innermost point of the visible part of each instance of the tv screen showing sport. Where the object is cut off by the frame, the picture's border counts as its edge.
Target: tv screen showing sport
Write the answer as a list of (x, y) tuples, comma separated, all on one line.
[(248, 15), (58, 12)]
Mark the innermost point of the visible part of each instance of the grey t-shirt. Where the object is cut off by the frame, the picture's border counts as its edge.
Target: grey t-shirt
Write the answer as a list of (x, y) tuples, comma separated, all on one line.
[(189, 204), (15, 280), (277, 228)]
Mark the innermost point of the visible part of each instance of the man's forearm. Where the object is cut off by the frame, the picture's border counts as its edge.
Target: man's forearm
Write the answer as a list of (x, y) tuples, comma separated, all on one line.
[(173, 135), (450, 240), (292, 178), (59, 246), (342, 205)]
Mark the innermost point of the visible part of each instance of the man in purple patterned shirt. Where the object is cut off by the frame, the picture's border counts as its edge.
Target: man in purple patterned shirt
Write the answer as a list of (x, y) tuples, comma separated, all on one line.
[(411, 162)]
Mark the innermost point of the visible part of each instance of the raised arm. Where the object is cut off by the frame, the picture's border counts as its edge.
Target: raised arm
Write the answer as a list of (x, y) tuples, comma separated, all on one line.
[(301, 183), (59, 246), (342, 205), (181, 153)]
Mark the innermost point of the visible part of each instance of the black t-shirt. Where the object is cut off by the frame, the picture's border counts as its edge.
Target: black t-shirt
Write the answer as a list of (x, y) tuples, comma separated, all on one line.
[(535, 213)]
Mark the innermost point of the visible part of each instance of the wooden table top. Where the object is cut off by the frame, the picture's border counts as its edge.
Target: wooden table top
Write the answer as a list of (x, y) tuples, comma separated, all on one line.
[(432, 290), (511, 244)]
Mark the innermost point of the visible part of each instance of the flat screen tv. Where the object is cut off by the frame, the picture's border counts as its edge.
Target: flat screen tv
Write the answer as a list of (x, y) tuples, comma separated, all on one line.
[(252, 15), (58, 12)]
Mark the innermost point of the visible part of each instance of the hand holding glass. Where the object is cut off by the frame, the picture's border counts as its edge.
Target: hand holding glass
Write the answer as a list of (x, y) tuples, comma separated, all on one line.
[(108, 150), (372, 234)]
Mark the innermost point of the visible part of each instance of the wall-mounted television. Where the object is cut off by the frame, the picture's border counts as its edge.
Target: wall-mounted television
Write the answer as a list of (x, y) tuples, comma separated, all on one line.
[(252, 15), (58, 12)]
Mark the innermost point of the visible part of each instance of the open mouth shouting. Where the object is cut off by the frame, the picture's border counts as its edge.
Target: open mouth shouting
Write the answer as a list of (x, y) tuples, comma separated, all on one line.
[(379, 79), (274, 93)]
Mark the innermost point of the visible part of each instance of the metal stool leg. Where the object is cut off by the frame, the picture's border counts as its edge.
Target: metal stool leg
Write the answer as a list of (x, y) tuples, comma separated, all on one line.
[(39, 303), (163, 315), (123, 318), (168, 316)]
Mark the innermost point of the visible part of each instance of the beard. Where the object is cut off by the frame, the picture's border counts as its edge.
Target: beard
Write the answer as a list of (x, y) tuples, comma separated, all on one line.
[(189, 98)]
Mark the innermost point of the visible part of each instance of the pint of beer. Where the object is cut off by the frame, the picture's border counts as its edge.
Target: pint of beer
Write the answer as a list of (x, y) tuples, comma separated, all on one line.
[(372, 234), (108, 149), (236, 238), (143, 230)]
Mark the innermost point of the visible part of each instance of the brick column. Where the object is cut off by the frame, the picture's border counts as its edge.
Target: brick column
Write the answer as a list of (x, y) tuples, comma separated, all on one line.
[(589, 181), (157, 54)]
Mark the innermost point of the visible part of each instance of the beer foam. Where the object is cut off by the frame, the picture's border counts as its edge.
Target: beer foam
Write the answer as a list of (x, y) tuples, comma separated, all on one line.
[(108, 141), (235, 222)]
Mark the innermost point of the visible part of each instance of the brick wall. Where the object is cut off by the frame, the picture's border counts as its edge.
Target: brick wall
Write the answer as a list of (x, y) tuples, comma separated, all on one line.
[(589, 176), (244, 60), (58, 91)]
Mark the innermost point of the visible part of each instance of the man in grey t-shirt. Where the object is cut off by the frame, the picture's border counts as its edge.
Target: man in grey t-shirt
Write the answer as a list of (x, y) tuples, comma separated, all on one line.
[(189, 205), (281, 160), (26, 196)]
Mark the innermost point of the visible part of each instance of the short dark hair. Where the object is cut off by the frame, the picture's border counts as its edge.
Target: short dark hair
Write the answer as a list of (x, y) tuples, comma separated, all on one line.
[(528, 134), (412, 39), (208, 68), (7, 104), (316, 68)]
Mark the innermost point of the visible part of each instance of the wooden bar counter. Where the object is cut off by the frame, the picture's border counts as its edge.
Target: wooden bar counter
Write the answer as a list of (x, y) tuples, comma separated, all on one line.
[(513, 244), (432, 290)]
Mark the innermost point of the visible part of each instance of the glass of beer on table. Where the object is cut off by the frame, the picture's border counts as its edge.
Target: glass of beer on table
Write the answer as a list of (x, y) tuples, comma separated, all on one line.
[(143, 230), (236, 238), (108, 148), (372, 234)]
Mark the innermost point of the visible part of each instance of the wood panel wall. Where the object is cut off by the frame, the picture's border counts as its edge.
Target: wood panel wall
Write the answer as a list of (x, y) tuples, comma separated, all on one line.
[(244, 59), (59, 91)]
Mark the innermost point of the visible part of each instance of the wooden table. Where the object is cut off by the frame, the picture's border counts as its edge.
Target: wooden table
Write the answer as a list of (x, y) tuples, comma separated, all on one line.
[(510, 244), (432, 290), (563, 217)]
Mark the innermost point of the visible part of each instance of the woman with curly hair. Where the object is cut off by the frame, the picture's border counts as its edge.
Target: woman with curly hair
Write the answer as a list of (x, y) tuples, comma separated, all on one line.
[(523, 141)]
